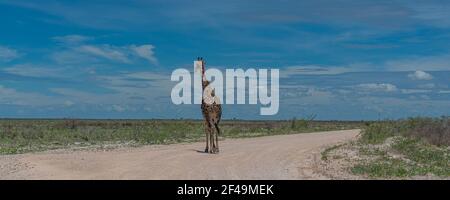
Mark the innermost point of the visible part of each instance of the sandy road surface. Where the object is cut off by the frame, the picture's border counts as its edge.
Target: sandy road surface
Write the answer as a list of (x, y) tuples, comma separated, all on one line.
[(271, 157)]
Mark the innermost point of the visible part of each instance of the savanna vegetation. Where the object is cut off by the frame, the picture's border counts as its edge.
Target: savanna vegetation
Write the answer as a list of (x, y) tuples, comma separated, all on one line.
[(385, 149), (414, 147), (20, 136)]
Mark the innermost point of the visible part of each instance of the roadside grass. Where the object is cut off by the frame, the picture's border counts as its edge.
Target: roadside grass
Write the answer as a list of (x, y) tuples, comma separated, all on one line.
[(414, 158), (20, 136), (324, 154), (435, 131), (419, 147), (387, 167)]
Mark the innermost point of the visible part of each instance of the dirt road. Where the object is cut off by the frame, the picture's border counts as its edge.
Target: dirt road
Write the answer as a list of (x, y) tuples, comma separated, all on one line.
[(271, 157)]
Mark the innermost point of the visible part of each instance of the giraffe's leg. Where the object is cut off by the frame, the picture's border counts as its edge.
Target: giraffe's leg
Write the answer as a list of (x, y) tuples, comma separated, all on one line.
[(217, 137), (211, 139), (207, 137)]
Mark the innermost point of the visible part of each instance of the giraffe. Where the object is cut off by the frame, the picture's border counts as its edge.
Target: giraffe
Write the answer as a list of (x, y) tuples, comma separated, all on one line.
[(212, 112)]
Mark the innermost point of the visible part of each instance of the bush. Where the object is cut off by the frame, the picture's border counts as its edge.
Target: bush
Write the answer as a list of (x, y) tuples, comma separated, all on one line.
[(18, 136), (377, 133), (435, 131)]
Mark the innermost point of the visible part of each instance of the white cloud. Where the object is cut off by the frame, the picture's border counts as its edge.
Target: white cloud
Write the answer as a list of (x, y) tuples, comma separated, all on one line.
[(306, 95), (98, 53), (118, 108), (325, 70), (10, 96), (148, 75), (437, 15), (412, 63), (427, 86), (414, 91), (137, 88), (68, 103), (420, 75), (146, 52), (423, 96), (142, 13), (65, 57), (71, 39), (310, 70), (105, 51), (318, 96), (85, 97), (34, 71), (8, 54), (377, 87), (416, 63)]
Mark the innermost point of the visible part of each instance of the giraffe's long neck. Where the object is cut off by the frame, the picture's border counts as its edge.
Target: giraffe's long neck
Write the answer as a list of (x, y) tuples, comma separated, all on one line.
[(204, 81), (204, 78)]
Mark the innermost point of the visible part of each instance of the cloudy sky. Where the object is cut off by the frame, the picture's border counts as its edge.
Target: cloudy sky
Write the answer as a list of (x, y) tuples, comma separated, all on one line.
[(113, 59)]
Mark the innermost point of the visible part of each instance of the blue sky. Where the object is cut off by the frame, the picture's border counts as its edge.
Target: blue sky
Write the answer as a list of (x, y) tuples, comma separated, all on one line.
[(113, 59)]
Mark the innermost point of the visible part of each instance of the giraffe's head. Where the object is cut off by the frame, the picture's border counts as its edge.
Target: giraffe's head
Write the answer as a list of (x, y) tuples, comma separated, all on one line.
[(199, 67)]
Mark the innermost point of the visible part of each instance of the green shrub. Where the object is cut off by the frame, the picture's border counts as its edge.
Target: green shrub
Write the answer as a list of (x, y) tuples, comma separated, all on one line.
[(435, 131), (18, 136)]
